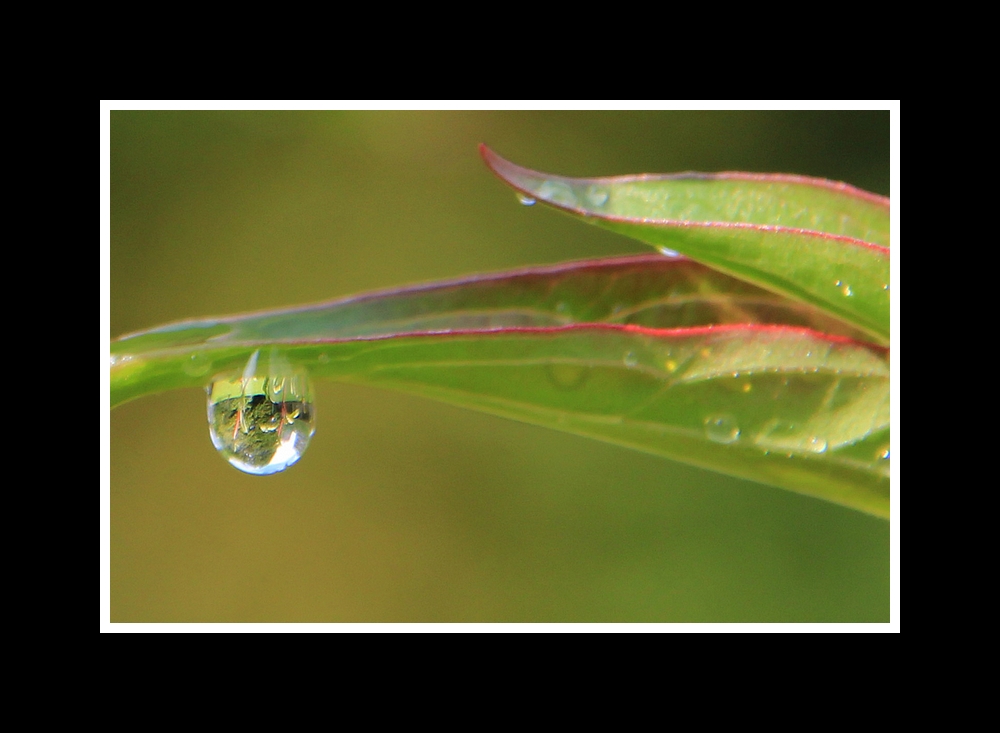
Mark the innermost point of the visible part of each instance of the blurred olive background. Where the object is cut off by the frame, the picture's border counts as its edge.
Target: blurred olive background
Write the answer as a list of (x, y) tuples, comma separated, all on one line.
[(406, 510)]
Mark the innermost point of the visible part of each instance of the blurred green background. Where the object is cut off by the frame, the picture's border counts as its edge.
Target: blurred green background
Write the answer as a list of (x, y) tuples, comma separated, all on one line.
[(406, 510)]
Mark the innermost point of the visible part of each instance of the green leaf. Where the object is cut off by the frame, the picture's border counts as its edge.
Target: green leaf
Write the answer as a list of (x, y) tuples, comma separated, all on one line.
[(813, 240), (659, 354)]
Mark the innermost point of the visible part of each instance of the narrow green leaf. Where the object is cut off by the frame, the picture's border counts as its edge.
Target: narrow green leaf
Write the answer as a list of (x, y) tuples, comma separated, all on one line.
[(620, 350), (813, 240)]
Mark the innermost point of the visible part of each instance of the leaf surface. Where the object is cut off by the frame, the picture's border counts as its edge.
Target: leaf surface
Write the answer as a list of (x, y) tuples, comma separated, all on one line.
[(659, 354), (813, 240)]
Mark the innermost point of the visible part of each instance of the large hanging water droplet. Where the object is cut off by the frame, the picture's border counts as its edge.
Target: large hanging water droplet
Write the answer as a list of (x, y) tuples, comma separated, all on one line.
[(262, 420), (722, 428)]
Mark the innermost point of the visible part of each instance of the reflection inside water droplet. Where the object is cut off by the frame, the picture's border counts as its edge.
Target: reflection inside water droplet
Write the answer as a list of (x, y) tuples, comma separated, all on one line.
[(262, 420), (525, 200), (722, 428), (669, 252)]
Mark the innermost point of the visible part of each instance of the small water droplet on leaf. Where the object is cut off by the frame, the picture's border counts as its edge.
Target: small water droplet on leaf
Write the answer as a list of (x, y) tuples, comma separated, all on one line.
[(630, 359), (568, 376), (557, 192), (525, 200), (817, 444), (197, 365), (597, 195), (722, 429)]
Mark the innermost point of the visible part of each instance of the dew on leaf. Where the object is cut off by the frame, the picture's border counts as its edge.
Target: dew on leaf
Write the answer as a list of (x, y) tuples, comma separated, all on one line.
[(525, 200), (597, 195), (262, 420), (567, 376), (669, 252), (817, 444), (557, 192), (722, 429), (197, 365), (630, 359)]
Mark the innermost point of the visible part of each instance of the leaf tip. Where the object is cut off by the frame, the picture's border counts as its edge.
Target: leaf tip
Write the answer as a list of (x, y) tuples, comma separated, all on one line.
[(510, 173)]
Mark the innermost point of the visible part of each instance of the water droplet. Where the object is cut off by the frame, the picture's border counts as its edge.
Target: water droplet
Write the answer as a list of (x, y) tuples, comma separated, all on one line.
[(883, 455), (885, 286), (846, 290), (568, 376), (817, 444), (747, 387), (671, 365), (262, 420), (557, 192), (197, 365), (838, 283), (722, 429), (597, 195), (780, 434), (630, 359), (525, 200), (669, 252)]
